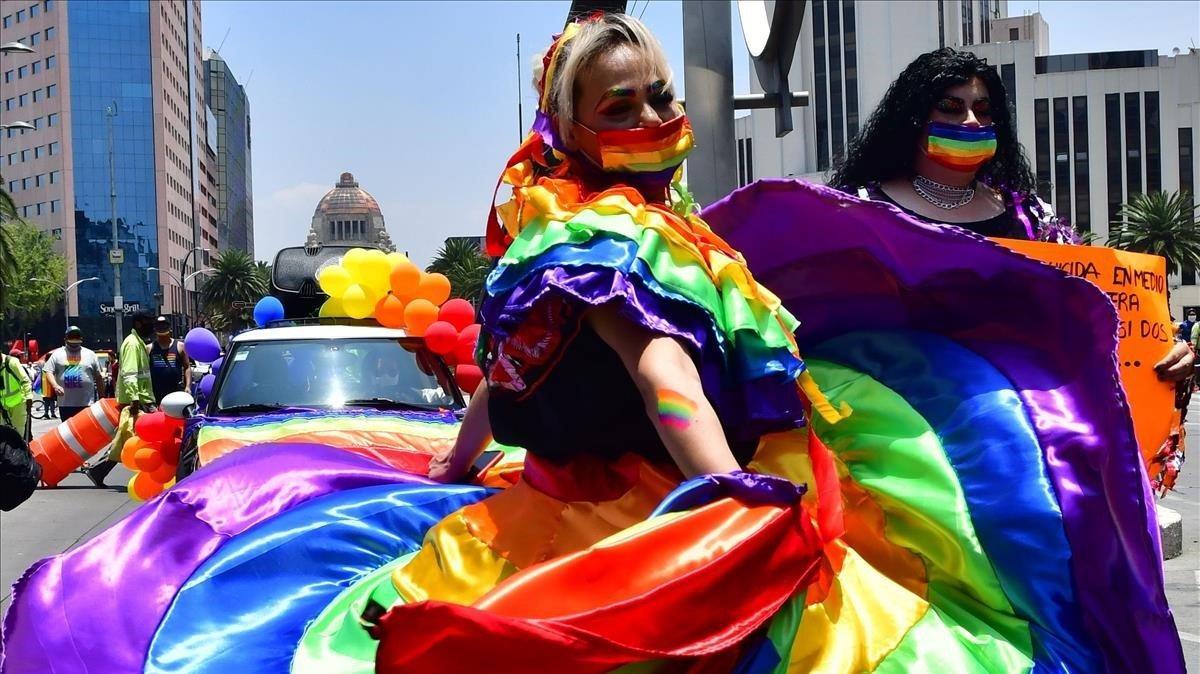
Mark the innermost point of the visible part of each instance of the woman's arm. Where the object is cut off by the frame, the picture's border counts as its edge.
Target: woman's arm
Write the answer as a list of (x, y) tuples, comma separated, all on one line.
[(670, 386), (473, 436)]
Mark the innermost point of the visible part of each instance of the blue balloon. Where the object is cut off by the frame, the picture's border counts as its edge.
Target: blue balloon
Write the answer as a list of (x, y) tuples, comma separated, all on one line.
[(206, 384), (216, 365), (268, 309), (202, 345)]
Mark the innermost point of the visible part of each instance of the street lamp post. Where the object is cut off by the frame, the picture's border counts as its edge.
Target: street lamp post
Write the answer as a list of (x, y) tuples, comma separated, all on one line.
[(183, 270), (67, 295), (16, 48), (116, 256), (181, 281)]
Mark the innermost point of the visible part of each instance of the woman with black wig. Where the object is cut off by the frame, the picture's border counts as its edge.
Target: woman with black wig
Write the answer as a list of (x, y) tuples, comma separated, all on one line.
[(942, 146)]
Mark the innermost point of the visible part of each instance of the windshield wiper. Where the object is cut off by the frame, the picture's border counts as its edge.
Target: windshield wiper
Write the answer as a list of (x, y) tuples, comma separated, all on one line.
[(387, 404), (250, 409)]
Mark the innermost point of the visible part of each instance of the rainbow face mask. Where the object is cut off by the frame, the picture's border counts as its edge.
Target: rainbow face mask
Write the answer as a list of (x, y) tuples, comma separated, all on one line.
[(959, 147), (643, 150)]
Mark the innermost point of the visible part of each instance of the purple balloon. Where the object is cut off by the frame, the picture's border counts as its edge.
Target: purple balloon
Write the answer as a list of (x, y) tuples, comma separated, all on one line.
[(202, 345), (206, 385), (216, 365)]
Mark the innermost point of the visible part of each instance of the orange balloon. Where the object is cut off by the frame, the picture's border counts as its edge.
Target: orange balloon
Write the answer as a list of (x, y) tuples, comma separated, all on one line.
[(419, 314), (143, 487), (129, 451), (163, 474), (147, 459), (434, 287), (390, 312), (404, 279)]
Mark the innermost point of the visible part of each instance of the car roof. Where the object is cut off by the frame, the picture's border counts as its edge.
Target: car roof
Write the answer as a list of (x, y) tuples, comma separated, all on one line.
[(317, 332)]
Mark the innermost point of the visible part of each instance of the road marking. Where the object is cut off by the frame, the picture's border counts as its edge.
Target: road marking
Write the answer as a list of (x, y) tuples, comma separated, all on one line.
[(1188, 636)]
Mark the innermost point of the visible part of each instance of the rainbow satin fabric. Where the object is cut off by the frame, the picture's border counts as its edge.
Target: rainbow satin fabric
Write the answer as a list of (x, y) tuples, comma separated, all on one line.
[(960, 147), (975, 501), (641, 150)]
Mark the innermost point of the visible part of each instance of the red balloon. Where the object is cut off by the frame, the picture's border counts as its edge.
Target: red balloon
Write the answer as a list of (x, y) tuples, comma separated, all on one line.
[(170, 451), (468, 377), (457, 312), (450, 359), (464, 351), (441, 337), (163, 473), (153, 427)]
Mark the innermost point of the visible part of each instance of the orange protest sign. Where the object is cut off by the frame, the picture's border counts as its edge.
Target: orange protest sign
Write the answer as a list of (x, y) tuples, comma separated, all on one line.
[(1137, 286)]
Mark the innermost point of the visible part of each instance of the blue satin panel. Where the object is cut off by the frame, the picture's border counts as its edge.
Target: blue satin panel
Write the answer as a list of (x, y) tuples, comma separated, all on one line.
[(989, 441), (246, 607)]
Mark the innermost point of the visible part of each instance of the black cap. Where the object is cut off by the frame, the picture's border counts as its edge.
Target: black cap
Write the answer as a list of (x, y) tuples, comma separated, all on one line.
[(74, 330), (162, 320)]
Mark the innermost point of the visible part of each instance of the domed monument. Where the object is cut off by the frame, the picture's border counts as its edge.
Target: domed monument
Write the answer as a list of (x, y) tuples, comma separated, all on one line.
[(348, 215)]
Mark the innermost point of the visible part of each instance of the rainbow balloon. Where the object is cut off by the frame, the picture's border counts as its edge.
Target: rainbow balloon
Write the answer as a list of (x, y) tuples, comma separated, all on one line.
[(990, 512)]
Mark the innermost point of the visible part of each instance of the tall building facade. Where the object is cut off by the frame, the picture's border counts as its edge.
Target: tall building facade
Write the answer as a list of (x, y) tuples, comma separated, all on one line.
[(1097, 128), (231, 111), (133, 69)]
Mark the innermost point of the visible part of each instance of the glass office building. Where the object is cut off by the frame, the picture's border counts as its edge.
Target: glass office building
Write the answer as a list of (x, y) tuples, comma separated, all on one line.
[(231, 111)]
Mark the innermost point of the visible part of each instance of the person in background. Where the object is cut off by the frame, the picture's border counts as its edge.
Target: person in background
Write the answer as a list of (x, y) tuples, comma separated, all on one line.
[(1185, 328), (134, 390), (16, 394), (49, 396), (170, 367), (73, 372), (942, 147)]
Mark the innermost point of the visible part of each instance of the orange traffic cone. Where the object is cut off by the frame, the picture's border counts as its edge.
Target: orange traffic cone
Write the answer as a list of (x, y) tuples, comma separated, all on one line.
[(68, 446)]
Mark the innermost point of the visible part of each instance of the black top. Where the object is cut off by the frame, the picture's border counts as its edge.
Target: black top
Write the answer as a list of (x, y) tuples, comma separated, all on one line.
[(166, 369), (1005, 225), (586, 404)]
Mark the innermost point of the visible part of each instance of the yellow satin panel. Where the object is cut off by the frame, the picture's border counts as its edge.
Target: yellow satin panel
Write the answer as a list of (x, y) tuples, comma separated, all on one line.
[(786, 455), (452, 566), (862, 620)]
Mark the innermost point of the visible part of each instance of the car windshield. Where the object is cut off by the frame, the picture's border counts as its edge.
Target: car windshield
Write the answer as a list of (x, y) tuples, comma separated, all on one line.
[(368, 372)]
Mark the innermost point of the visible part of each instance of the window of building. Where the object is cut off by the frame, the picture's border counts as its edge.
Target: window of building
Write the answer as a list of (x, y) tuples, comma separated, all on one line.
[(22, 71), (34, 10), (48, 5), (1008, 77), (39, 152), (968, 21), (1153, 144), (25, 155), (50, 61), (1079, 132), (8, 75), (39, 208), (35, 67), (20, 15), (1187, 184), (1133, 144), (54, 177), (1014, 34), (12, 186), (8, 21), (820, 77), (25, 182), (1041, 136), (53, 149), (850, 43), (8, 103), (1112, 153), (39, 180), (54, 205), (52, 91), (37, 95), (941, 24), (24, 211), (985, 21), (50, 33), (749, 160), (35, 39), (12, 158), (837, 118), (52, 119)]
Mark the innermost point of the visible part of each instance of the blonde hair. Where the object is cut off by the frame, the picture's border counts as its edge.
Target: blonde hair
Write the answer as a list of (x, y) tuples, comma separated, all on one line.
[(594, 38)]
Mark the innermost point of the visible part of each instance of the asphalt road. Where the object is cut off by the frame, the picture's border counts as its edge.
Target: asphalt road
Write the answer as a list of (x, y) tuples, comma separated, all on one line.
[(54, 520)]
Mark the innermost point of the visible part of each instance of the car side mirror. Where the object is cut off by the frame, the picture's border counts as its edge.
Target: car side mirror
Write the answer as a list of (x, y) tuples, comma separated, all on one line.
[(179, 405)]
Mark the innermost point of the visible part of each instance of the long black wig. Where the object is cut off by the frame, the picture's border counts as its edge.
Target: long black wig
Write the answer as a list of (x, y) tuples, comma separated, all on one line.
[(885, 147)]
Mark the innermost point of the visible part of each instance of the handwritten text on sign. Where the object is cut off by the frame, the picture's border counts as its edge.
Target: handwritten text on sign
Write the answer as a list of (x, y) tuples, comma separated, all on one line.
[(1137, 286)]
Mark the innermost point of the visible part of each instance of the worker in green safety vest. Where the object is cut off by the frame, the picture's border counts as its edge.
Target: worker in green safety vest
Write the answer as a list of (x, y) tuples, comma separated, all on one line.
[(16, 392)]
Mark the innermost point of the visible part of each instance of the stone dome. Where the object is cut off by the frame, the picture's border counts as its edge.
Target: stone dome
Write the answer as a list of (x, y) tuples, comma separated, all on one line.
[(348, 215)]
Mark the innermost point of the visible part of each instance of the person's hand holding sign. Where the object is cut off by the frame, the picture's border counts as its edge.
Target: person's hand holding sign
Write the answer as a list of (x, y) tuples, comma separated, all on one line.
[(1177, 365)]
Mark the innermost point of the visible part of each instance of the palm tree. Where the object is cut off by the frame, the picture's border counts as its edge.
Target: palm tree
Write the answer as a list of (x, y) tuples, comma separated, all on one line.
[(231, 290), (461, 260), (1162, 223), (8, 260)]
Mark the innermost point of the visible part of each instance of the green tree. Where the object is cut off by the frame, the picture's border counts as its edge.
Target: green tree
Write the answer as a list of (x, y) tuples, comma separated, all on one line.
[(231, 290), (1162, 223), (264, 270), (8, 260), (30, 255), (461, 260)]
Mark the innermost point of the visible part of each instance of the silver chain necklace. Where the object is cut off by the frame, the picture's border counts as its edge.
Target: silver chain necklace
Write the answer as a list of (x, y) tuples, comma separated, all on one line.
[(943, 196)]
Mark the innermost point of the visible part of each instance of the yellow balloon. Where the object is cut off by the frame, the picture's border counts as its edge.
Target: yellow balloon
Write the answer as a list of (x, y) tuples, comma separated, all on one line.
[(333, 280), (396, 258), (332, 308), (375, 271), (353, 261), (357, 302)]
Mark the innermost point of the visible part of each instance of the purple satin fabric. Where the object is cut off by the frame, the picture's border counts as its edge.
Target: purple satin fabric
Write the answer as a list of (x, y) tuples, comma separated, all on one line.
[(750, 488), (842, 264), (125, 578)]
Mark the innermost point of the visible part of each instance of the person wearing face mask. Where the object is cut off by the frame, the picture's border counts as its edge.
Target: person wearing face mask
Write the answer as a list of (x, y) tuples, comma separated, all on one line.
[(73, 372), (1188, 324), (170, 367), (942, 146), (135, 392)]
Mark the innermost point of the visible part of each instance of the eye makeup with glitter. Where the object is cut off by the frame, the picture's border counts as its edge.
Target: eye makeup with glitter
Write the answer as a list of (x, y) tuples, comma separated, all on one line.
[(952, 105)]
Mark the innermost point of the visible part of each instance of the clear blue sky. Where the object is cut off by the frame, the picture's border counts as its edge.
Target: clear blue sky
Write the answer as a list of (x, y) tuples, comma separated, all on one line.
[(418, 99)]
